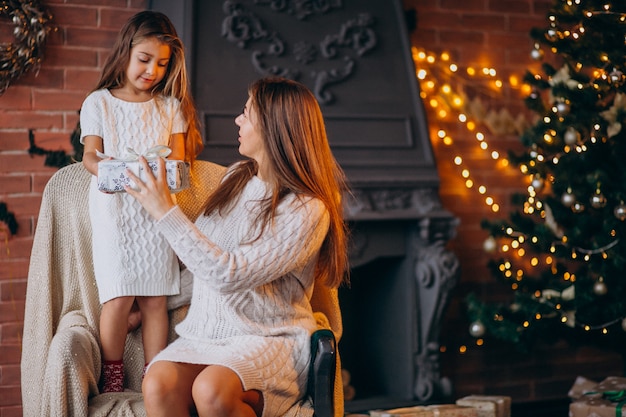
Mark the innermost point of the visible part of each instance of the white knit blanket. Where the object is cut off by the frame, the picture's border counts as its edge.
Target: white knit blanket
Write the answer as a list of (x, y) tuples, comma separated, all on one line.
[(60, 365)]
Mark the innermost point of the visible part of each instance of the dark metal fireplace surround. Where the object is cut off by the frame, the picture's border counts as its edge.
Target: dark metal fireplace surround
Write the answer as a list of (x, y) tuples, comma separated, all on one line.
[(356, 58)]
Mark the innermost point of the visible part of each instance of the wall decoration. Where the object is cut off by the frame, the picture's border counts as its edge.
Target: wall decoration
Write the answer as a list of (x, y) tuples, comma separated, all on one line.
[(337, 53), (32, 23)]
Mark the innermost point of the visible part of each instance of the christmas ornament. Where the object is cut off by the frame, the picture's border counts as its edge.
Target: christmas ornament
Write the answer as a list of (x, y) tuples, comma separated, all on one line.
[(536, 53), (571, 136), (616, 76), (477, 329), (624, 324), (537, 182), (620, 211), (599, 287), (562, 107), (31, 26), (489, 245), (578, 207), (568, 198), (598, 200)]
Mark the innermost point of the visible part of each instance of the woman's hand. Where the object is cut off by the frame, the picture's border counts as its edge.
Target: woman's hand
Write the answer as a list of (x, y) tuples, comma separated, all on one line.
[(154, 195)]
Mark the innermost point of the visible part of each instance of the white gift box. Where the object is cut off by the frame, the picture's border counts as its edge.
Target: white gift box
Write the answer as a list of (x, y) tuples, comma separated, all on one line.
[(112, 176)]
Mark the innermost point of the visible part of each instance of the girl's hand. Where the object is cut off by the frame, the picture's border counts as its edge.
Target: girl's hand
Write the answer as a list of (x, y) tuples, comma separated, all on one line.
[(154, 195)]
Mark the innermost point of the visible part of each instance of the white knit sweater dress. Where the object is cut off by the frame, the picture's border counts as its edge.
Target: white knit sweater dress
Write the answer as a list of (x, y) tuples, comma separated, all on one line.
[(131, 258), (250, 307)]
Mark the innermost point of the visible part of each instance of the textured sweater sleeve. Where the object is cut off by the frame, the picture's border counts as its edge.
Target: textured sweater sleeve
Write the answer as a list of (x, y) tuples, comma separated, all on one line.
[(91, 117), (285, 247)]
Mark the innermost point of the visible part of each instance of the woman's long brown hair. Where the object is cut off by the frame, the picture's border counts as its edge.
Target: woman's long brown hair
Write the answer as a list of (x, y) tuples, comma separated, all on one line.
[(150, 24), (301, 162)]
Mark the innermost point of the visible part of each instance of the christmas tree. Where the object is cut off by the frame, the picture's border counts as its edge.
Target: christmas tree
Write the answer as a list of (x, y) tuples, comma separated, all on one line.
[(563, 252)]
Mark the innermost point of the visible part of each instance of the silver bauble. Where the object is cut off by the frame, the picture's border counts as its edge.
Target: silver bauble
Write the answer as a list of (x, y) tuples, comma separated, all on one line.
[(536, 54), (578, 207), (599, 288), (568, 198), (571, 136), (598, 200), (477, 329), (562, 107), (489, 245), (620, 211)]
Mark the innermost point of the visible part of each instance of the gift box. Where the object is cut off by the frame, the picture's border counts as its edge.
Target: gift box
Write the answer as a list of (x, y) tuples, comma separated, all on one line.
[(112, 176), (416, 411), (606, 399), (488, 405), (452, 410)]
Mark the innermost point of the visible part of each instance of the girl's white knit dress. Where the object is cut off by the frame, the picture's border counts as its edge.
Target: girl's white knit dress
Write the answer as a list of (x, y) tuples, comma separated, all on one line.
[(250, 307), (131, 258)]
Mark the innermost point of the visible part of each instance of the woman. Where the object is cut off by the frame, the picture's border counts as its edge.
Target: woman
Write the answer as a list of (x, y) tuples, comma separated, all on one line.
[(271, 231)]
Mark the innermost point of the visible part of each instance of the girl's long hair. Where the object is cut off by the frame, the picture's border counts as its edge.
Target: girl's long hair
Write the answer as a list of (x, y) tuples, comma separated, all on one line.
[(145, 25), (301, 162)]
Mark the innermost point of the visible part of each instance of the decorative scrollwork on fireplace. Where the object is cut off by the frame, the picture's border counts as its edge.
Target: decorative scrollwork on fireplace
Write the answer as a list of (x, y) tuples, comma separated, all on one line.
[(436, 273), (335, 55)]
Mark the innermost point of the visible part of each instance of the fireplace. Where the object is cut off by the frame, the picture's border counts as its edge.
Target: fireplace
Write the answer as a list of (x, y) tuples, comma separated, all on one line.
[(356, 58)]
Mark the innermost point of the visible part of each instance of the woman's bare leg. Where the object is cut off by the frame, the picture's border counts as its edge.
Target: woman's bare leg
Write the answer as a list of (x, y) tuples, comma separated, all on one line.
[(167, 388), (217, 392)]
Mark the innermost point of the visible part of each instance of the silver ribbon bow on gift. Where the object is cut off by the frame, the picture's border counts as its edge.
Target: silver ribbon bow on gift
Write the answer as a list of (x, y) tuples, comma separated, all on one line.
[(159, 151)]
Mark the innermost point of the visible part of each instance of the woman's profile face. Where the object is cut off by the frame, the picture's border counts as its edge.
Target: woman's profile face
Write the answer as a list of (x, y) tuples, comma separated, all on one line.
[(250, 139)]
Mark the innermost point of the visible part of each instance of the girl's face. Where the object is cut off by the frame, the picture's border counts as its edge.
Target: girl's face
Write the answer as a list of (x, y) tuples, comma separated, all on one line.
[(250, 139), (147, 65)]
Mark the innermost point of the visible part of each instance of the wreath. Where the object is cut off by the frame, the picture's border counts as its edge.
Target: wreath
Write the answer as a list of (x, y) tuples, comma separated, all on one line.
[(31, 26)]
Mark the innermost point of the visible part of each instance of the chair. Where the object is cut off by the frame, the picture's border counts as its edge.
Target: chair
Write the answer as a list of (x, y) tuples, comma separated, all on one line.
[(60, 362)]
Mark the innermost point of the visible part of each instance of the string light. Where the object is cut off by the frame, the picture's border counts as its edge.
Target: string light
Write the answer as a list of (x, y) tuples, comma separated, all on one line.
[(438, 76)]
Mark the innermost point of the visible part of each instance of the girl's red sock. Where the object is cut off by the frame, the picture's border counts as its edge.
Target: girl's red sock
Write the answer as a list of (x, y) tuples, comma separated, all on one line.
[(113, 376)]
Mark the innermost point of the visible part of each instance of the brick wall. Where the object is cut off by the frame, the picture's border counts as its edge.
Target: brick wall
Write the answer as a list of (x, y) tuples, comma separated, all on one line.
[(478, 32), (47, 104)]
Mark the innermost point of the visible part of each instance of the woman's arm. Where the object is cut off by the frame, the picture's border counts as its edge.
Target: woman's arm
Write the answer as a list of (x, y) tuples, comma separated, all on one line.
[(286, 246)]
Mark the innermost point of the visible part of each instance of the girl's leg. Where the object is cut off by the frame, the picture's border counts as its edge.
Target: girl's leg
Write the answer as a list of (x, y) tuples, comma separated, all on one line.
[(167, 388), (112, 341), (155, 325), (218, 392)]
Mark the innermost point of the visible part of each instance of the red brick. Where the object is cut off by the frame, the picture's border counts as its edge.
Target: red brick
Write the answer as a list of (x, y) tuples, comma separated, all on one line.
[(18, 247), (9, 374), (83, 80), (40, 180), (45, 77), (57, 140), (22, 162), (10, 395), (75, 15), (97, 38), (14, 184), (71, 57), (12, 411), (13, 290), (510, 6), (13, 270), (11, 332), (115, 18), (13, 140), (16, 98), (57, 100), (30, 120)]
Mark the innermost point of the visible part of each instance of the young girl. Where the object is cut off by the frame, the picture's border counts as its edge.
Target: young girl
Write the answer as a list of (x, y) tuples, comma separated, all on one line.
[(142, 100), (272, 230)]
